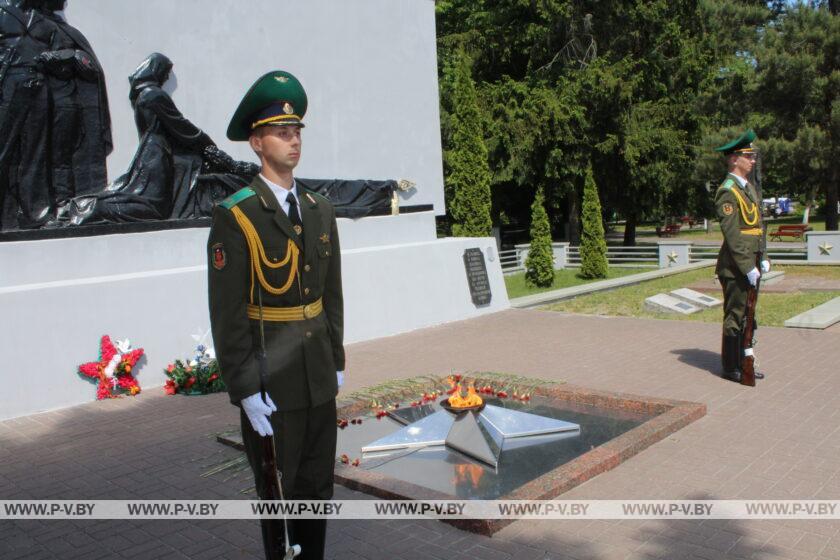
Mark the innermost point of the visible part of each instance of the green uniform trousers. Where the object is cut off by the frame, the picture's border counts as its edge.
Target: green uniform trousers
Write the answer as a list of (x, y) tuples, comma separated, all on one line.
[(734, 304), (304, 441)]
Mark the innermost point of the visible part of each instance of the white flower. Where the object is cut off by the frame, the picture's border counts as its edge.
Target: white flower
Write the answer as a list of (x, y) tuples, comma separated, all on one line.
[(112, 365), (124, 346), (209, 356)]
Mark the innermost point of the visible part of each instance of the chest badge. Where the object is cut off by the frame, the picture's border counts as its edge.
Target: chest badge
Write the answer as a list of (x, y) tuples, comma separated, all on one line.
[(325, 238), (298, 229)]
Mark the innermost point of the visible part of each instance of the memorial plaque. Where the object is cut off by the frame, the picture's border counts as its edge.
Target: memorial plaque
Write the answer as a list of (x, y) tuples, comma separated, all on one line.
[(665, 303), (697, 298), (477, 276)]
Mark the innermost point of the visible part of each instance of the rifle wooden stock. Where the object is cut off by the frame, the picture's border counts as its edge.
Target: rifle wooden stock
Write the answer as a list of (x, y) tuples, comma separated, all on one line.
[(748, 333)]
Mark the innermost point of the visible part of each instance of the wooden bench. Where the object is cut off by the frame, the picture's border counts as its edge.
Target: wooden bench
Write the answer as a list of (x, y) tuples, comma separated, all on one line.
[(792, 230), (668, 231)]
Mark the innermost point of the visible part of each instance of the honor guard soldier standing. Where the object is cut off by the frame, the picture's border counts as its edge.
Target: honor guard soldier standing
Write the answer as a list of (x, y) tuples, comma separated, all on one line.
[(274, 280), (739, 212)]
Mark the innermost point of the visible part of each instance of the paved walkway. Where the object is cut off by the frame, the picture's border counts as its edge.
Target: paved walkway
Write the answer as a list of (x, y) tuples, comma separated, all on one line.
[(779, 440)]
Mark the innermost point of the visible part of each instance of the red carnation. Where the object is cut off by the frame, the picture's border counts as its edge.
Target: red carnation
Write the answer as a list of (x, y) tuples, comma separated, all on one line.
[(170, 388), (107, 349), (103, 391), (90, 369)]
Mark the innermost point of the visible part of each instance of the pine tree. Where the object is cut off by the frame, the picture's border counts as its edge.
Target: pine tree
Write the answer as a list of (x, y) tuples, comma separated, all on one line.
[(468, 181), (593, 246), (540, 262)]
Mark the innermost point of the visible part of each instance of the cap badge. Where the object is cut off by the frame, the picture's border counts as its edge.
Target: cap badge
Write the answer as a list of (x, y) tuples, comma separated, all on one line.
[(288, 109), (281, 79)]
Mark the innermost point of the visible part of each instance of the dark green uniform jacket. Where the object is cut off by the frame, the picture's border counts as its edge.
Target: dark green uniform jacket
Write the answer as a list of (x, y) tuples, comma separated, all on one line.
[(739, 212), (303, 355)]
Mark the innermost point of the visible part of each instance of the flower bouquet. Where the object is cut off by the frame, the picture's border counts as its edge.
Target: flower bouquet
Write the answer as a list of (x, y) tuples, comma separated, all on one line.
[(198, 376)]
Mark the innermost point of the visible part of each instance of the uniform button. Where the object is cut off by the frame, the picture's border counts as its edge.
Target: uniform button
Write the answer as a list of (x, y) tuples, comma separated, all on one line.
[(274, 259), (306, 291), (306, 267), (308, 334)]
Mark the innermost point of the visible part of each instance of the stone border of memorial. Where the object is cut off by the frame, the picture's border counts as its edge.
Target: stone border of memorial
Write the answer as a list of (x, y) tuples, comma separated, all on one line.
[(671, 416)]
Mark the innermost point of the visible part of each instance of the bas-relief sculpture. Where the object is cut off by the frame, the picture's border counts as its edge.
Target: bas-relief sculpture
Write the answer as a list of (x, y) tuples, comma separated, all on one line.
[(54, 121), (55, 133), (177, 171)]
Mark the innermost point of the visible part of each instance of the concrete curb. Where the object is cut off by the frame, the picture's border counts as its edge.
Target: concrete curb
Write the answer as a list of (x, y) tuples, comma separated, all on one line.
[(603, 285), (820, 317)]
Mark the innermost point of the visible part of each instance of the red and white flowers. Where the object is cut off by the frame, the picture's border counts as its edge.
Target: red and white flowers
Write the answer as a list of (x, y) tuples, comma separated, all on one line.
[(114, 369)]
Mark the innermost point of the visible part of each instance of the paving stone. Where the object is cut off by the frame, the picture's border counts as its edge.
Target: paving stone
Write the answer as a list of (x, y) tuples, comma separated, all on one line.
[(779, 439)]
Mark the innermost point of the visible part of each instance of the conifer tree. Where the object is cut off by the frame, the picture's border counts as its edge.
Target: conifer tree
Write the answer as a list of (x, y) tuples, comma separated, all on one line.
[(593, 245), (468, 181), (540, 262)]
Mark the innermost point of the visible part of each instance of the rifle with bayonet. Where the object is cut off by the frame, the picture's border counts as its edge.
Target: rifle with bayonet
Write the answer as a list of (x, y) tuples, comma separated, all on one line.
[(276, 529), (748, 333)]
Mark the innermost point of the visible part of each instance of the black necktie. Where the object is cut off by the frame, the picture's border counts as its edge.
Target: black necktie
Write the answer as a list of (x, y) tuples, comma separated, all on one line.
[(294, 215)]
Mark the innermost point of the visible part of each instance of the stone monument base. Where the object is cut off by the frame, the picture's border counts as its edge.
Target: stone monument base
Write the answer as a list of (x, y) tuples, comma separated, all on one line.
[(59, 296)]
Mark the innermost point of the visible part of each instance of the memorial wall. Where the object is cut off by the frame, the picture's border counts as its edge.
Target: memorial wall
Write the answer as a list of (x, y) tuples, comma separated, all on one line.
[(369, 68)]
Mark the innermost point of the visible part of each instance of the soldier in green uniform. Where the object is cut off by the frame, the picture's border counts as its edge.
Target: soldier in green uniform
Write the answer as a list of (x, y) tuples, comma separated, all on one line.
[(739, 211), (273, 251)]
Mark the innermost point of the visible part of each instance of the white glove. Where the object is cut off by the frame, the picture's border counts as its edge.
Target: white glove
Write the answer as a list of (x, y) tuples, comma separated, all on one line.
[(259, 412), (765, 266), (339, 375), (753, 276)]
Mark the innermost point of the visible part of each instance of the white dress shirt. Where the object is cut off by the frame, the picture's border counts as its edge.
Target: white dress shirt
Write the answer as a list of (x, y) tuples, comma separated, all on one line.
[(282, 193), (741, 181)]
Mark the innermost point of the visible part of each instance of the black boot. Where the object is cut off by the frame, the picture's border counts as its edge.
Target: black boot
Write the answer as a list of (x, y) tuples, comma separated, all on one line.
[(731, 354)]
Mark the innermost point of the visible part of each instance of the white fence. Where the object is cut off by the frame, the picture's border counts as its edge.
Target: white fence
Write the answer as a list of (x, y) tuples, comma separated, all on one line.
[(775, 254), (642, 256), (663, 255)]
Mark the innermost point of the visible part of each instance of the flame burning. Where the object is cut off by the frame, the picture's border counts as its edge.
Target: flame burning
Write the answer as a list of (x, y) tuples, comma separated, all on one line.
[(457, 401), (468, 474)]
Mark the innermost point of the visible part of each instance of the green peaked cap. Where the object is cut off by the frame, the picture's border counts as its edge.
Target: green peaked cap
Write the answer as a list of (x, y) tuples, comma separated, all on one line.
[(739, 143), (277, 98)]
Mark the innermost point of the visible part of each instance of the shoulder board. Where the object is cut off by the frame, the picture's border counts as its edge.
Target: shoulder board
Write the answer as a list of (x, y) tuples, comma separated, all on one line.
[(728, 184), (312, 196), (238, 197)]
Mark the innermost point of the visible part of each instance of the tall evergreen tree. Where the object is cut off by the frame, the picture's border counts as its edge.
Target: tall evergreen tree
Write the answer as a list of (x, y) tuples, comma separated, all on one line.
[(593, 245), (539, 266), (468, 179), (798, 86)]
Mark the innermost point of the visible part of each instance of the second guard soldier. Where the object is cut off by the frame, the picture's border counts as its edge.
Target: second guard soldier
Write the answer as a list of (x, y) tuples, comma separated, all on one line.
[(739, 212), (274, 258)]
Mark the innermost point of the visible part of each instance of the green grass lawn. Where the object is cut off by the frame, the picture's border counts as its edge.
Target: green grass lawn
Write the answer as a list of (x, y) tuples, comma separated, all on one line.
[(565, 278), (773, 309)]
